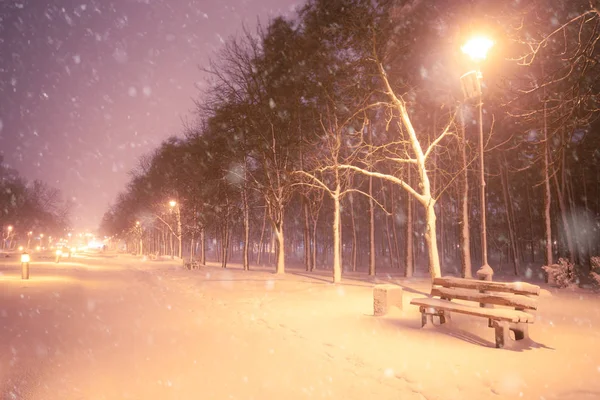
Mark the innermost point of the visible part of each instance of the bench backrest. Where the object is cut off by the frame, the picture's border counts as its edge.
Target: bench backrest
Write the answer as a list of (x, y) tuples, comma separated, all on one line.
[(510, 294)]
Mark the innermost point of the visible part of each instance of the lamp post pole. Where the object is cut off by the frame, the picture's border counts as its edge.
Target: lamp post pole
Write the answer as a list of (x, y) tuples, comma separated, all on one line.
[(477, 49), (485, 272), (25, 258)]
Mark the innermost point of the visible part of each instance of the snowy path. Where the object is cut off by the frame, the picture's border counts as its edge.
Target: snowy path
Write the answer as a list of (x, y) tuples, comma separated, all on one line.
[(94, 332), (117, 328)]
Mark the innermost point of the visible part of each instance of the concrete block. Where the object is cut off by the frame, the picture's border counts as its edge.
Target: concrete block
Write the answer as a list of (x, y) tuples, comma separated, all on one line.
[(386, 296)]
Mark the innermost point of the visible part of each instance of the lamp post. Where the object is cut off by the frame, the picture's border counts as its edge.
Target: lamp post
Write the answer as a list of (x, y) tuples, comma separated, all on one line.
[(29, 238), (25, 258), (174, 205), (58, 255), (477, 49)]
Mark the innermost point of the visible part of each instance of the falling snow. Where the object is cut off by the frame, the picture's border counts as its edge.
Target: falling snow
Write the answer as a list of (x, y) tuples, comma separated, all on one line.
[(125, 51)]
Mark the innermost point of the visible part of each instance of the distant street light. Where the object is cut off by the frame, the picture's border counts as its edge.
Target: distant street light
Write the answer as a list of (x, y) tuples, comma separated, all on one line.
[(58, 255), (477, 48)]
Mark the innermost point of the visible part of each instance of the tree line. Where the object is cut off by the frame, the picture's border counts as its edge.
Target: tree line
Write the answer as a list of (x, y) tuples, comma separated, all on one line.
[(341, 138), (29, 208)]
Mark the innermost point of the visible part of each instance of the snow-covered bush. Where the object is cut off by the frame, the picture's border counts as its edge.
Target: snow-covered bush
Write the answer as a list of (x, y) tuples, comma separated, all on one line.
[(561, 274), (595, 272), (596, 277), (194, 264)]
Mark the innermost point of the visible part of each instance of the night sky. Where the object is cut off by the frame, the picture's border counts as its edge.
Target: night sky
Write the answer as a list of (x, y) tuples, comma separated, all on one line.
[(88, 86)]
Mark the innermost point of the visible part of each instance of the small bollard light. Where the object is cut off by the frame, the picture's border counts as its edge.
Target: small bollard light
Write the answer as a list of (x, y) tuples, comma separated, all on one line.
[(58, 255), (25, 258)]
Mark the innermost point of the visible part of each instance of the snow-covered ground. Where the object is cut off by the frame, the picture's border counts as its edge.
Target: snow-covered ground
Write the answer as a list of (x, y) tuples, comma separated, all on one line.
[(116, 327)]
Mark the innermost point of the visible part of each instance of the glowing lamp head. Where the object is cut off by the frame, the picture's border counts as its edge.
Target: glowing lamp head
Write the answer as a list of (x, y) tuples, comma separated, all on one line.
[(172, 203), (20, 248), (137, 223), (25, 258), (59, 252), (9, 228), (477, 48), (38, 248)]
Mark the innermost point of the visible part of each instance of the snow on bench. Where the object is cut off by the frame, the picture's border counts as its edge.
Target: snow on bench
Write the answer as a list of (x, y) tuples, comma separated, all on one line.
[(515, 295)]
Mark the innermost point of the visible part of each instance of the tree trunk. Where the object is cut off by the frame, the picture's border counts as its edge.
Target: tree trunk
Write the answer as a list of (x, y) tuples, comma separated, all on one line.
[(410, 266), (565, 220), (262, 235), (548, 194), (394, 230), (574, 221), (354, 238), (531, 232), (390, 252), (307, 241), (431, 239), (588, 230), (337, 237), (509, 218), (371, 229), (280, 269), (202, 246), (314, 243), (245, 250), (225, 243), (371, 217)]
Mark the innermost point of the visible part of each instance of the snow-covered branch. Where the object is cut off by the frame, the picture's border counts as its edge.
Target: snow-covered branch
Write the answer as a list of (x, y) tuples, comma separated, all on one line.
[(387, 177)]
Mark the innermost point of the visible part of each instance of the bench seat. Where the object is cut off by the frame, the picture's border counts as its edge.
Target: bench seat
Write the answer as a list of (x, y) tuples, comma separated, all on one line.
[(500, 314), (516, 299)]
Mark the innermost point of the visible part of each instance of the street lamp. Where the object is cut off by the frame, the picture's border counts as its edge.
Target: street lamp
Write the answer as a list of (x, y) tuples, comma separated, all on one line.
[(175, 206), (25, 258), (477, 48)]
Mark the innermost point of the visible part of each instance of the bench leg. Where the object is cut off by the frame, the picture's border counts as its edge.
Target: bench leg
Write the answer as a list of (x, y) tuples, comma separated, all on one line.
[(444, 317), (501, 328), (521, 330), (426, 318)]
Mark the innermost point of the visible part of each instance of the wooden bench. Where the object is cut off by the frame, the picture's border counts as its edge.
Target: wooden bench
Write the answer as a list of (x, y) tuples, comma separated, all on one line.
[(514, 298)]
